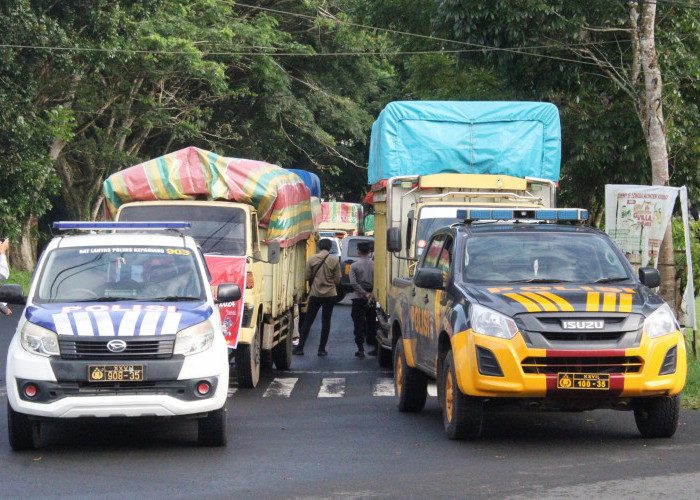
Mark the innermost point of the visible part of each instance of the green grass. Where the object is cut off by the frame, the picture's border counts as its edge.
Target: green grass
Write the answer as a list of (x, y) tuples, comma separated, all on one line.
[(21, 278)]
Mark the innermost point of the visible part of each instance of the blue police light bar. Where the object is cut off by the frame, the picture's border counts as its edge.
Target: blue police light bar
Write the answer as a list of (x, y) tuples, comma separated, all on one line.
[(539, 214), (102, 226)]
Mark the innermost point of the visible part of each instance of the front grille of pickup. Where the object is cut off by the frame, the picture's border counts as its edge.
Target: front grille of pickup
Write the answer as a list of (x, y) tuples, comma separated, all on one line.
[(583, 336), (136, 348), (597, 364)]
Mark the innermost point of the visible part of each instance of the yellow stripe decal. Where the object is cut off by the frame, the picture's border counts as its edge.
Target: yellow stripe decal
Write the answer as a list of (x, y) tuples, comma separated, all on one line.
[(593, 302), (609, 301), (625, 302), (563, 304), (544, 303), (527, 303)]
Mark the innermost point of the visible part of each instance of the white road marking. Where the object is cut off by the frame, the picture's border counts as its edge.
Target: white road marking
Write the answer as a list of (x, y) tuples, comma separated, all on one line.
[(232, 391), (280, 387), (332, 388), (383, 387), (3, 391)]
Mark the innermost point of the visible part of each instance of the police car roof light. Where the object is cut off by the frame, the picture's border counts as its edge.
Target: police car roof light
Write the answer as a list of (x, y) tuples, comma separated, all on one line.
[(101, 226), (545, 214)]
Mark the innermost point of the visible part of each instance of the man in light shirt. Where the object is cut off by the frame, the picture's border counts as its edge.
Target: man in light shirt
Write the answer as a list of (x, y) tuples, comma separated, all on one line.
[(4, 272)]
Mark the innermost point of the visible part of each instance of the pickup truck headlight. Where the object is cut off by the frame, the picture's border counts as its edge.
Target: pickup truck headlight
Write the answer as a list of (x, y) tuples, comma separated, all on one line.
[(660, 322), (194, 339), (489, 322), (39, 340)]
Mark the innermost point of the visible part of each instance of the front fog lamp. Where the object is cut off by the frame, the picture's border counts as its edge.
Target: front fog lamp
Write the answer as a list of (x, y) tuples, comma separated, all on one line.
[(489, 322), (39, 340), (660, 322), (194, 339)]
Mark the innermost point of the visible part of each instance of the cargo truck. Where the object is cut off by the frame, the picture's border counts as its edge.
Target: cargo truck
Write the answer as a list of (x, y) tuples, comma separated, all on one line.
[(251, 220), (494, 293)]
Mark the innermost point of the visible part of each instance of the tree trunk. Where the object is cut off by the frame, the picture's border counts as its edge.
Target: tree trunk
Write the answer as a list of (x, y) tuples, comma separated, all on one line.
[(23, 252), (655, 132)]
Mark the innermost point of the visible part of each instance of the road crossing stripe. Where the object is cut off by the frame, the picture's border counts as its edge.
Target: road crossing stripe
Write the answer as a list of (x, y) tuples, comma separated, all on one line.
[(332, 388), (281, 387), (383, 387), (232, 391)]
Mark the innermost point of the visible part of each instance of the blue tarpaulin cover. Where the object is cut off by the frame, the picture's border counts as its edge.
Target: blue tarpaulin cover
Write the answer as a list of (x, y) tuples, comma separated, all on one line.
[(430, 137), (310, 179)]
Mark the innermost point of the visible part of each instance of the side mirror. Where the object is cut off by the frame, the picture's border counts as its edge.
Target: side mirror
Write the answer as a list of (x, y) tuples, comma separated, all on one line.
[(393, 239), (12, 294), (227, 292), (273, 252), (649, 277), (430, 277)]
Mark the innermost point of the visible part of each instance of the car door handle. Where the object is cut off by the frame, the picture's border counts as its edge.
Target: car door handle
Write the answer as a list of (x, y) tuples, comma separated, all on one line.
[(426, 299)]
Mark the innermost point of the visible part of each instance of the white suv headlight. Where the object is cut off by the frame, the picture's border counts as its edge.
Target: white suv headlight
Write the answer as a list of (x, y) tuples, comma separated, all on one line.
[(39, 340), (660, 322), (489, 322), (194, 339)]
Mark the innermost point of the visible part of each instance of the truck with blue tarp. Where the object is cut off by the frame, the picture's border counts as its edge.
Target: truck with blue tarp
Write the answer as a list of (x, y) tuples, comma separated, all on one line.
[(496, 294)]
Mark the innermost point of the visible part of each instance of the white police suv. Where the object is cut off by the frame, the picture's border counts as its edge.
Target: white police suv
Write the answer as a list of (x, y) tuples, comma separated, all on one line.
[(119, 324)]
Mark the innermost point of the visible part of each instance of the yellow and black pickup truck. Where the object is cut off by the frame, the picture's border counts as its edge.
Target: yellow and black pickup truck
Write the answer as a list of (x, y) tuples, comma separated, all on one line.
[(533, 307)]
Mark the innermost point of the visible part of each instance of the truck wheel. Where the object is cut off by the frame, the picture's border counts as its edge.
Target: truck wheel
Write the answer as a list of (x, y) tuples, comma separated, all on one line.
[(658, 417), (462, 415), (248, 361), (411, 384), (384, 357), (24, 434), (282, 352), (211, 430)]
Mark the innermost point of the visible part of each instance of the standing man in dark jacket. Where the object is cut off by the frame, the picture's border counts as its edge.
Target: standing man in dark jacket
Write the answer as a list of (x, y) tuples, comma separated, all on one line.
[(323, 274), (364, 315)]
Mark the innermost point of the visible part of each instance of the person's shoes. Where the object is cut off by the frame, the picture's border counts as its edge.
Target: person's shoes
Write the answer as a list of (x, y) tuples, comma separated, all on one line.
[(373, 352), (360, 354), (322, 352), (298, 351)]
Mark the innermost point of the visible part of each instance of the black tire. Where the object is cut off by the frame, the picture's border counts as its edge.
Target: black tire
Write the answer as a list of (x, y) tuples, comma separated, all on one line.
[(462, 415), (384, 356), (211, 430), (24, 434), (411, 385), (248, 361), (282, 352), (658, 417)]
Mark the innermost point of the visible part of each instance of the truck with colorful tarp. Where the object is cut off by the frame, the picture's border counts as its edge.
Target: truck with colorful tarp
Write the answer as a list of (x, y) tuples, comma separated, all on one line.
[(251, 220), (340, 219), (491, 291)]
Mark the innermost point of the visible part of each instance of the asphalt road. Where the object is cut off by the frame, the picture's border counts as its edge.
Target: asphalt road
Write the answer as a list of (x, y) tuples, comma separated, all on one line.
[(328, 429)]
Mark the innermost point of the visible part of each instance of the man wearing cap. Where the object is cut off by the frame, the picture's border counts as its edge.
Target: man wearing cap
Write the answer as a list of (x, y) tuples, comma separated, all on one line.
[(364, 315)]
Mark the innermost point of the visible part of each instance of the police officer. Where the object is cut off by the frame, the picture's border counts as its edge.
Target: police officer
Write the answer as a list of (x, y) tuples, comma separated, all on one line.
[(364, 315)]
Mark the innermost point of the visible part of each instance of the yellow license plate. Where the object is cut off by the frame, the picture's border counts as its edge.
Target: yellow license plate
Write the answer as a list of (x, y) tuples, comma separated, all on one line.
[(115, 373), (347, 268), (595, 381)]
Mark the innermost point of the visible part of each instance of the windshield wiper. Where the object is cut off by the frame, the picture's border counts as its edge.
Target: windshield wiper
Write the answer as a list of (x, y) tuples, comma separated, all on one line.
[(540, 280), (172, 298), (104, 299), (611, 280)]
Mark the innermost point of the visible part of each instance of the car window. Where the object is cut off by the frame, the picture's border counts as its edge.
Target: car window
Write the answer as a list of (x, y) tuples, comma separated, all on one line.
[(352, 246), (82, 274), (432, 254), (541, 256)]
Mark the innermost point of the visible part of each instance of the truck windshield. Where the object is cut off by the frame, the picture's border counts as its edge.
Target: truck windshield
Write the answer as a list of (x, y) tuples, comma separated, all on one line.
[(217, 229), (541, 257), (110, 274)]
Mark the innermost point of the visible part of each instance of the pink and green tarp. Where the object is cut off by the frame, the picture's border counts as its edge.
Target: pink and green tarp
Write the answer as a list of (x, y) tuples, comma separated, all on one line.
[(280, 197), (340, 211)]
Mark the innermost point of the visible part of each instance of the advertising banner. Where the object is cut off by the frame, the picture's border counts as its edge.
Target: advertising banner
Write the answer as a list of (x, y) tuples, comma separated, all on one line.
[(636, 217)]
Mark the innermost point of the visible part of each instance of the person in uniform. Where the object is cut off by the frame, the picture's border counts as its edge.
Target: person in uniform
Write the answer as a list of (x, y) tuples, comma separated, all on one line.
[(323, 274), (364, 314)]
